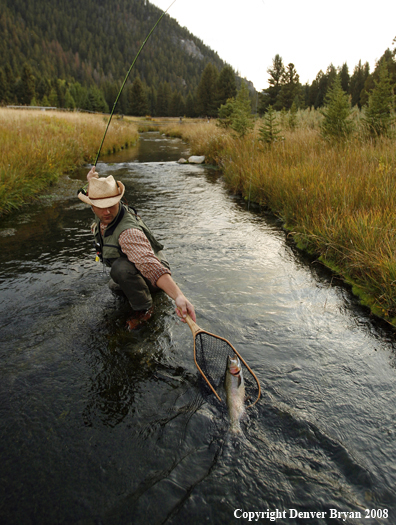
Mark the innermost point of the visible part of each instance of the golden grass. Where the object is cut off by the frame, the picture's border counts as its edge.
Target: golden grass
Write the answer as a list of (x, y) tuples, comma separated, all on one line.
[(339, 201), (36, 147)]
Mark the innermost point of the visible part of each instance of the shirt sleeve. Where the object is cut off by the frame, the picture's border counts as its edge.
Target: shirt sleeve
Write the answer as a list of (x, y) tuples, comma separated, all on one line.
[(138, 249)]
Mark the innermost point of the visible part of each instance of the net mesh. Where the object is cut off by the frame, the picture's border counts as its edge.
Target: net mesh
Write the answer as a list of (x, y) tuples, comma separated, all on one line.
[(211, 354)]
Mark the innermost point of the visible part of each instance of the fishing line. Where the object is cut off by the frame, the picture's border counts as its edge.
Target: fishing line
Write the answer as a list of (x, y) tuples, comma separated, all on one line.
[(126, 78)]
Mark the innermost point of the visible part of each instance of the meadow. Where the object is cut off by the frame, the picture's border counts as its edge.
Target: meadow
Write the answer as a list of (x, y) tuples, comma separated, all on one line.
[(37, 147), (336, 199)]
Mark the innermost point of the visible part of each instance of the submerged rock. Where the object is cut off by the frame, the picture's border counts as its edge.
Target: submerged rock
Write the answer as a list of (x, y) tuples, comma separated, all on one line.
[(182, 161)]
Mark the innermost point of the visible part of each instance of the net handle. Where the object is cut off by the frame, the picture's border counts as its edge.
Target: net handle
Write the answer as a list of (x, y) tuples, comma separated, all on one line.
[(195, 329)]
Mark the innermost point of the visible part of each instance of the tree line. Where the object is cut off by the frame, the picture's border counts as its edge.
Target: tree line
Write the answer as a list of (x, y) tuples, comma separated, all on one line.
[(77, 53), (285, 88)]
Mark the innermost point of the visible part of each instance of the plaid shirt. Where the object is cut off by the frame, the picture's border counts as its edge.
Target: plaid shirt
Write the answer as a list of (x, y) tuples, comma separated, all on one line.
[(138, 249)]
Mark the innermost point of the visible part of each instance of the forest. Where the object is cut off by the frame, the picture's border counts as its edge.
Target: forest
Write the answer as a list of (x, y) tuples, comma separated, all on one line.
[(76, 55)]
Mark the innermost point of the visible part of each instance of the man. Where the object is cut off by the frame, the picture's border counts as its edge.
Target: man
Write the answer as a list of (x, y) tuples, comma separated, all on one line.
[(124, 242)]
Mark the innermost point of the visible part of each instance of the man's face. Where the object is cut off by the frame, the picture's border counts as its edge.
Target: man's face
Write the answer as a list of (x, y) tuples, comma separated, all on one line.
[(106, 215)]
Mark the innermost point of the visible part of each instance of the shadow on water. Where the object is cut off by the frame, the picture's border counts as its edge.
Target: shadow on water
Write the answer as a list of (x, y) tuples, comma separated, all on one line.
[(99, 425)]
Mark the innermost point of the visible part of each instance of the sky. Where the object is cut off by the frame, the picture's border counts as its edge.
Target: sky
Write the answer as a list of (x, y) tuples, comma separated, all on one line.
[(310, 34)]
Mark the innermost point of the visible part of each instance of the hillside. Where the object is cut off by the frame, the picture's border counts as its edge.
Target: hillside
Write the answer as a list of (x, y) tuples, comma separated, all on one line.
[(94, 43)]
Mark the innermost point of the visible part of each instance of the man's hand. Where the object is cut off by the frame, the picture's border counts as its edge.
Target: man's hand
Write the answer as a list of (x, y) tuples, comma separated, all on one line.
[(92, 174), (184, 307)]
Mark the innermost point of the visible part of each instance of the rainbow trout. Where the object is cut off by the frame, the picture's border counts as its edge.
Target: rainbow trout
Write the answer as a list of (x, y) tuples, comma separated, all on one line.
[(235, 393)]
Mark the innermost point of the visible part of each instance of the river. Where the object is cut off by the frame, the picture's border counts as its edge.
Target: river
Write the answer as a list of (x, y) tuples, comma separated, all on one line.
[(103, 426)]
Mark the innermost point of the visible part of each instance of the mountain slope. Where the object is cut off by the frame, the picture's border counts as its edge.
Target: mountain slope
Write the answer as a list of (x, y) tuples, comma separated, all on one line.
[(93, 42)]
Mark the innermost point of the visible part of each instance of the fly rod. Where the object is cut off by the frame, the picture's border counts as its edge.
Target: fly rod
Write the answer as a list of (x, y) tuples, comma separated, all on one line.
[(122, 87)]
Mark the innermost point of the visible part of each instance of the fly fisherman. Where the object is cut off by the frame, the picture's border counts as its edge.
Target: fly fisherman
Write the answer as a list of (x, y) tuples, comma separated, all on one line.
[(124, 242)]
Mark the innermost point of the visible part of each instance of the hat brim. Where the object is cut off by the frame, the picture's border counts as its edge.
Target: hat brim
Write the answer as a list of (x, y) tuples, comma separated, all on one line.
[(105, 202)]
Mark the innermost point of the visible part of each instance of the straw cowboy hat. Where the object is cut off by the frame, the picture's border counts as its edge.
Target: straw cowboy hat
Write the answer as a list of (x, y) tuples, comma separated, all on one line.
[(103, 192)]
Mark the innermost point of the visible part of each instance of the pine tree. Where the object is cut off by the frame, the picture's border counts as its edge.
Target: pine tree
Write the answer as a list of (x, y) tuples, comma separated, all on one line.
[(137, 99), (26, 89), (290, 88), (241, 118), (163, 99), (10, 79), (190, 106), (379, 115), (3, 87), (337, 124), (269, 96), (356, 86), (226, 85), (269, 132), (206, 92), (69, 100), (345, 78)]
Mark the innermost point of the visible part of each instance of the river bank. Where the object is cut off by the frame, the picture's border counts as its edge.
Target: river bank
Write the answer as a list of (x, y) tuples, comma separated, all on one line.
[(336, 200), (37, 147)]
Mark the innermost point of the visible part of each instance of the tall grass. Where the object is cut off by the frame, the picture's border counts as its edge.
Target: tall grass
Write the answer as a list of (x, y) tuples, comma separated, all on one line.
[(338, 200), (38, 147)]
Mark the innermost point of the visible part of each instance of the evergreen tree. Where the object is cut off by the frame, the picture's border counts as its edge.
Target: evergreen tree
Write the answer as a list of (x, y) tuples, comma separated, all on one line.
[(53, 99), (137, 99), (177, 105), (269, 132), (69, 100), (26, 86), (45, 102), (269, 96), (337, 124), (379, 115), (241, 118), (290, 89), (190, 106), (225, 113), (10, 81), (163, 99), (95, 101), (43, 87), (3, 87), (152, 101), (345, 78), (358, 79), (206, 92), (226, 85)]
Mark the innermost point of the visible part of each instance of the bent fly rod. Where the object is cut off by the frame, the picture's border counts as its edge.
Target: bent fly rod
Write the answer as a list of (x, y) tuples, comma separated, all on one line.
[(123, 84)]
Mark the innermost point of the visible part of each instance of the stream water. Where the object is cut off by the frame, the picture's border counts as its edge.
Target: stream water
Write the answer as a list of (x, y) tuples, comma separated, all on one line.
[(102, 426)]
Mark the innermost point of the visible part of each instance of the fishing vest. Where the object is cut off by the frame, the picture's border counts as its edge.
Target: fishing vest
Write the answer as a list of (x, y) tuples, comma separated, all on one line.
[(108, 248)]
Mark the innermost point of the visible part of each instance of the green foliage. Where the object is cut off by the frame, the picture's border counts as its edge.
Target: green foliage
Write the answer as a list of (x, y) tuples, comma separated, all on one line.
[(137, 99), (226, 85), (269, 132), (225, 113), (241, 118), (337, 124), (290, 88), (357, 83), (26, 85), (379, 115), (269, 96), (56, 39), (293, 117), (206, 92)]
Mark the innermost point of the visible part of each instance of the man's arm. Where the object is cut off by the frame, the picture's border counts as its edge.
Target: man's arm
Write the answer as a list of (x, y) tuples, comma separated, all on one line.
[(184, 307)]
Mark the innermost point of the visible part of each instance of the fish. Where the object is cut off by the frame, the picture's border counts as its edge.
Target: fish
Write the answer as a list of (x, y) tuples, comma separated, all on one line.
[(235, 393)]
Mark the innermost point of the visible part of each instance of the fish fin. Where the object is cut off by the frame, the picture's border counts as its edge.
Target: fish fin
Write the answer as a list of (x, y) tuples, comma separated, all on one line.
[(239, 380)]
